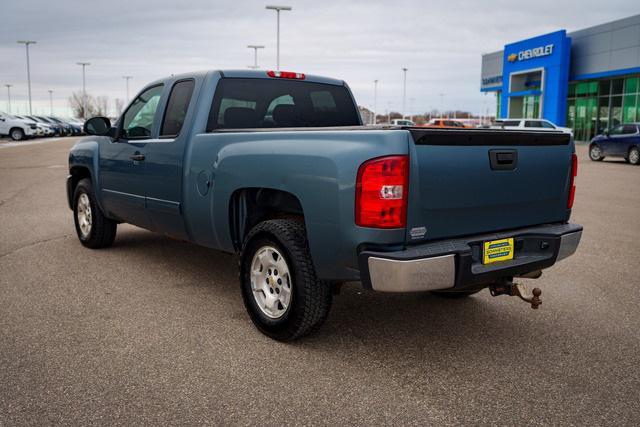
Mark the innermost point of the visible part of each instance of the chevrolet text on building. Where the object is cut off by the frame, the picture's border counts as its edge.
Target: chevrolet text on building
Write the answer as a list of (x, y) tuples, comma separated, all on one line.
[(588, 80), (531, 53)]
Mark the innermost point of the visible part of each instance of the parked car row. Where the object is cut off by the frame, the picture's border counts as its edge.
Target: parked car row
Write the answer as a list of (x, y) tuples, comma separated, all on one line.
[(20, 127), (623, 141)]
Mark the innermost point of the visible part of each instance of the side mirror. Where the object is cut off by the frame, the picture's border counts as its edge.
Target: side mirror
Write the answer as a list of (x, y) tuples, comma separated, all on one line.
[(98, 126), (605, 132)]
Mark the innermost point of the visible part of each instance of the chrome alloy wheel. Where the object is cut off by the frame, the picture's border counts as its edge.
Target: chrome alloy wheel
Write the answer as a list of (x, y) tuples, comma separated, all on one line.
[(595, 152), (634, 156), (83, 213), (271, 282)]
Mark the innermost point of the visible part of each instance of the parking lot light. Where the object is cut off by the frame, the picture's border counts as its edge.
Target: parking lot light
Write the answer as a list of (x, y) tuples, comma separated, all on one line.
[(255, 55), (278, 9), (26, 43), (8, 98), (127, 78), (50, 101), (84, 89)]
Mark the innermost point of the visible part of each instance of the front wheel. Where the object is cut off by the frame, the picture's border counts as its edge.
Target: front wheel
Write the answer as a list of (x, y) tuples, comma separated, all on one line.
[(17, 134), (281, 292), (94, 230), (634, 156), (595, 153)]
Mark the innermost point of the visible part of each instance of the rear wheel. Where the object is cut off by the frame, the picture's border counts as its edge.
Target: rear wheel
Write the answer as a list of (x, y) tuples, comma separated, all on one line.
[(281, 292), (634, 156), (94, 230), (17, 134), (595, 153)]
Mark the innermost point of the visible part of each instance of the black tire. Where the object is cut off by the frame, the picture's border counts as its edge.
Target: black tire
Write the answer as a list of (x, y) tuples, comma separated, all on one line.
[(16, 134), (455, 294), (595, 153), (102, 231), (310, 298), (634, 156)]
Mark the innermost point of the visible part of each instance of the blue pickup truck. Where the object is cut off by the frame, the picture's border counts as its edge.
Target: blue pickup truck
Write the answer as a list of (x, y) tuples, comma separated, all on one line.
[(278, 168)]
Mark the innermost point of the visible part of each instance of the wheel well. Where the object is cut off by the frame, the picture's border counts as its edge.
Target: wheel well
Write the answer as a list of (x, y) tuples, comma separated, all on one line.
[(77, 173), (250, 206), (14, 128)]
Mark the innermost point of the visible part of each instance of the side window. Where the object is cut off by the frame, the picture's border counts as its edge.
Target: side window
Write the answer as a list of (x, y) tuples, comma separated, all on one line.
[(532, 124), (138, 119), (177, 108), (513, 123), (616, 130), (628, 129), (547, 125)]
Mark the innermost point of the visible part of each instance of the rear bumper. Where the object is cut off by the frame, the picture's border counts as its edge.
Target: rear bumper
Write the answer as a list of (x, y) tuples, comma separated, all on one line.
[(457, 263)]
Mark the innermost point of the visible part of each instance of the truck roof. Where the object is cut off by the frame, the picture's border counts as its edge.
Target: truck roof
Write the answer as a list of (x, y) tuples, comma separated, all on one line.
[(248, 74)]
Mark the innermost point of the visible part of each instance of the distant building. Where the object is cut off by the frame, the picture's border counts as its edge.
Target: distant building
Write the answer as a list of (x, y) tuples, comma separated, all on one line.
[(588, 80), (366, 114)]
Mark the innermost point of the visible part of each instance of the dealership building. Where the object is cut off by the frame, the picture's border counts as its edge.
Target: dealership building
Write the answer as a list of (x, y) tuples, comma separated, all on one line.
[(588, 80)]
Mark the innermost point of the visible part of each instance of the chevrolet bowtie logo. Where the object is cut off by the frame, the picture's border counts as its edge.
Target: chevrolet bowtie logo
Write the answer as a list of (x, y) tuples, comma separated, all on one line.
[(512, 58)]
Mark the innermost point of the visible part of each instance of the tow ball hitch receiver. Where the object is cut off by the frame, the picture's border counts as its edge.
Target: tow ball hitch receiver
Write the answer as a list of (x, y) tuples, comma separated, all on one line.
[(507, 287)]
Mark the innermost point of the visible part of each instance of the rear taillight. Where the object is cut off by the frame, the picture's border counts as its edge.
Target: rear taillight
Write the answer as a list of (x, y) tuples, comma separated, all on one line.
[(285, 75), (382, 191), (572, 180)]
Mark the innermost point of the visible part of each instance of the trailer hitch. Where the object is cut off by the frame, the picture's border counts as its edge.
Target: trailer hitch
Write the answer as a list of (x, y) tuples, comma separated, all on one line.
[(507, 287)]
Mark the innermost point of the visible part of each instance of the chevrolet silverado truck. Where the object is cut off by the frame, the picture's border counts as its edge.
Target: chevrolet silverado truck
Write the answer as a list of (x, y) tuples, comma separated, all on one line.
[(278, 168)]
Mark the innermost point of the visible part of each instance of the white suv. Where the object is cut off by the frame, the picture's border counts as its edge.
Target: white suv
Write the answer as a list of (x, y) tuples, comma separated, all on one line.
[(531, 124), (17, 129)]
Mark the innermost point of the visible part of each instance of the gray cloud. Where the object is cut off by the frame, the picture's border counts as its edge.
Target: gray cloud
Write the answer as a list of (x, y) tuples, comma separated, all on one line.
[(357, 41)]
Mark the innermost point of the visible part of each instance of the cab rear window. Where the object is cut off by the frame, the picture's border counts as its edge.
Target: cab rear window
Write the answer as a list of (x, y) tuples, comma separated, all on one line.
[(265, 103)]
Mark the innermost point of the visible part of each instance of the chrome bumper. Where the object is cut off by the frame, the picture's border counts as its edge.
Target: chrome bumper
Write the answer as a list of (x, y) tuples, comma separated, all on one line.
[(456, 263)]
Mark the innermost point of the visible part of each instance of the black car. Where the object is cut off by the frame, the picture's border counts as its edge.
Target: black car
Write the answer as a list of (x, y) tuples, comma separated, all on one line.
[(621, 141)]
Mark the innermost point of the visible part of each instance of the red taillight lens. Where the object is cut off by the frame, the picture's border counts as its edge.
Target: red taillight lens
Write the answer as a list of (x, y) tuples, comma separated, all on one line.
[(572, 181), (285, 75), (382, 191)]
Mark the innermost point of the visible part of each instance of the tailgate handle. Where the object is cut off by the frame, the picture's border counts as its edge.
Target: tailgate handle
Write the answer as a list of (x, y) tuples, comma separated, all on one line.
[(503, 159)]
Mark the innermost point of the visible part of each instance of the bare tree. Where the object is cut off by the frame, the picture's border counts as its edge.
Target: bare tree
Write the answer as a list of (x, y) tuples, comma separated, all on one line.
[(102, 106), (77, 106)]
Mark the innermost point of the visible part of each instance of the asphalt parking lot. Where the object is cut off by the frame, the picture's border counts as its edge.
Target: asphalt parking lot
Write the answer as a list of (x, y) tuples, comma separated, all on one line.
[(153, 330)]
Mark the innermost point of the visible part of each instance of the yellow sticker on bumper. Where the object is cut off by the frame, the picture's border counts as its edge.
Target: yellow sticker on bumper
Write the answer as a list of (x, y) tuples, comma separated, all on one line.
[(498, 250)]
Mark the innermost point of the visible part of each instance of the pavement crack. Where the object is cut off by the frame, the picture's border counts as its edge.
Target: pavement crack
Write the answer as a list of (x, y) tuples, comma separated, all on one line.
[(38, 242)]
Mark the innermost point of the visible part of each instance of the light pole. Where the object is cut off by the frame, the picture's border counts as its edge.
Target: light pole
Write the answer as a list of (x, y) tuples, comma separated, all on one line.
[(26, 43), (441, 105), (84, 89), (255, 55), (404, 93), (50, 101), (127, 78), (8, 98), (375, 101), (278, 9)]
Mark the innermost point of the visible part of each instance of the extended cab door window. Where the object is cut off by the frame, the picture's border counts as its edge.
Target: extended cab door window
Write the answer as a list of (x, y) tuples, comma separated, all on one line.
[(138, 119), (176, 108)]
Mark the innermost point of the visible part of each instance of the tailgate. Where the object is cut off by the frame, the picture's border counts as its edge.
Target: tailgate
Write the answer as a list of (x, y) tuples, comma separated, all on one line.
[(475, 181)]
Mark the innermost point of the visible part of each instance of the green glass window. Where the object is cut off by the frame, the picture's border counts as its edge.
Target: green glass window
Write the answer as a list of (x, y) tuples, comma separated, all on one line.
[(498, 100), (631, 85), (572, 90), (629, 108), (587, 88)]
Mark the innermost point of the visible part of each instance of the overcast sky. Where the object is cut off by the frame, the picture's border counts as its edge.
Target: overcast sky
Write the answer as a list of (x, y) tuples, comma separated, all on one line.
[(359, 41)]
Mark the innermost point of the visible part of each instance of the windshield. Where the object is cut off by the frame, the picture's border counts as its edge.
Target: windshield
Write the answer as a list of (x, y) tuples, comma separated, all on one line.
[(271, 103)]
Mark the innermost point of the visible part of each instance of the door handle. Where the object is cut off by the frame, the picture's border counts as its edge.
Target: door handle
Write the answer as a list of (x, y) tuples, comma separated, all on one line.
[(503, 159), (137, 157)]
